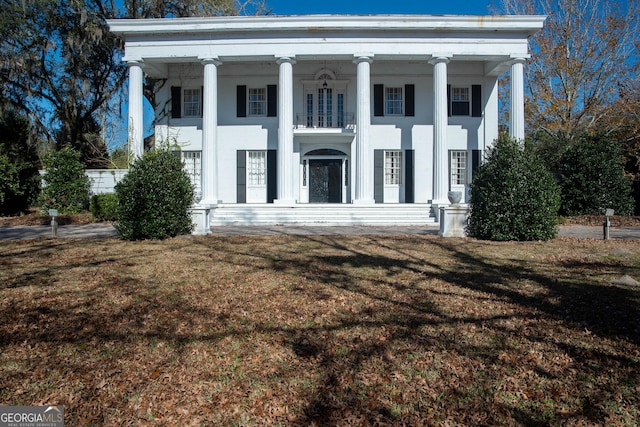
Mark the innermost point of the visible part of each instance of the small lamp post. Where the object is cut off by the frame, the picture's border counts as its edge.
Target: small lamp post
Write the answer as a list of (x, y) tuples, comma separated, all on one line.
[(608, 213), (54, 222)]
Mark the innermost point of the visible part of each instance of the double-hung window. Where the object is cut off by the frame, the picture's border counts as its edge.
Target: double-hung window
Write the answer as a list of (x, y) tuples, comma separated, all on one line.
[(460, 101), (458, 168), (192, 103), (257, 101), (392, 167), (393, 101)]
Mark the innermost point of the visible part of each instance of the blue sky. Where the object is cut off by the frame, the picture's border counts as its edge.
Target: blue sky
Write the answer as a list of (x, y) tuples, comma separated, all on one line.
[(435, 7)]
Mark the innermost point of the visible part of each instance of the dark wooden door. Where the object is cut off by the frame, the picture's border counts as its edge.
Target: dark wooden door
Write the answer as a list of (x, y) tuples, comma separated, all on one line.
[(325, 181)]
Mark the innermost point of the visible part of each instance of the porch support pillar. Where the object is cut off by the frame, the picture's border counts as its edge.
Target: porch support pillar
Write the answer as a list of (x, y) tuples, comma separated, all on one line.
[(364, 155), (440, 123), (516, 117), (209, 172), (285, 131), (136, 118)]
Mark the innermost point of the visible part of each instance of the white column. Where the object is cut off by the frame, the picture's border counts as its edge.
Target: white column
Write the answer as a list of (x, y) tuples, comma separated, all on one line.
[(440, 123), (285, 131), (364, 154), (516, 117), (136, 118), (209, 163)]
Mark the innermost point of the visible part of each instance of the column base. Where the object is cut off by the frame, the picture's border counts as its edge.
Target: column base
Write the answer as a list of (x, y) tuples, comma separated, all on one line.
[(453, 220), (362, 202), (285, 202)]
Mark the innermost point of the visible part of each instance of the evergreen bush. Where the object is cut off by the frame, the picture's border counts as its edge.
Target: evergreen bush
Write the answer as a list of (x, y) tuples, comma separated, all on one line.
[(66, 186), (592, 178), (15, 146), (104, 207), (513, 195), (154, 198), (9, 182)]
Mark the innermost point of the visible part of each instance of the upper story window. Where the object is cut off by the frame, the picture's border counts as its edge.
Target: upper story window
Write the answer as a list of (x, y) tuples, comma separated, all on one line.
[(257, 101), (393, 101), (192, 103), (460, 101)]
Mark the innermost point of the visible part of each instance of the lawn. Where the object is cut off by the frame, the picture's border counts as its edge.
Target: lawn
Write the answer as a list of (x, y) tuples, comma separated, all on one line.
[(322, 330)]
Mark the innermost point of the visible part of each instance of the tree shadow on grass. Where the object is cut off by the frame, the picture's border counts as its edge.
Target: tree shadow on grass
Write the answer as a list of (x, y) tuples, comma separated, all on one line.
[(387, 302)]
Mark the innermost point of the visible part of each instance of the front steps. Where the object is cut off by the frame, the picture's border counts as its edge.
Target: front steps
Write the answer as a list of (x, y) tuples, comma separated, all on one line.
[(322, 214)]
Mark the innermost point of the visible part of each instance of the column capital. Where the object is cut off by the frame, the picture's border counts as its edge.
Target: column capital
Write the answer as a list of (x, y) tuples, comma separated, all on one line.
[(211, 60), (134, 62), (518, 59), (363, 57), (442, 58), (291, 59)]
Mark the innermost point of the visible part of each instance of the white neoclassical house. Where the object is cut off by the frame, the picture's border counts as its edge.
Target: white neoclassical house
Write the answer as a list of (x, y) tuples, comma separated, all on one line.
[(328, 119)]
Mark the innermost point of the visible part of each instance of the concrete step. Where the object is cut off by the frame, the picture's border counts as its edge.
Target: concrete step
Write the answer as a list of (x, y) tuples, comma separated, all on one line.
[(322, 214)]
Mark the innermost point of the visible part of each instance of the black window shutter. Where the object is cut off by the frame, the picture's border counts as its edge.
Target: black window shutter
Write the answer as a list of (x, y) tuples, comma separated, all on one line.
[(241, 176), (378, 100), (408, 178), (176, 102), (378, 176), (272, 101), (409, 100), (476, 101), (449, 100), (201, 101), (272, 175), (475, 160), (241, 101)]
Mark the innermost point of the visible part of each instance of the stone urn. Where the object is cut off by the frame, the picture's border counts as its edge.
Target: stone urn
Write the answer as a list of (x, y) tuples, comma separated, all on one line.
[(454, 197)]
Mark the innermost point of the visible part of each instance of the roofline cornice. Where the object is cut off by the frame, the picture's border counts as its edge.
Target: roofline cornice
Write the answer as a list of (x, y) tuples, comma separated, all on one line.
[(524, 24)]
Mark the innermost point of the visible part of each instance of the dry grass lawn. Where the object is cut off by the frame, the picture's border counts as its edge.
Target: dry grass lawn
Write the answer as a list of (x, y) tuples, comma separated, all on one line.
[(322, 330)]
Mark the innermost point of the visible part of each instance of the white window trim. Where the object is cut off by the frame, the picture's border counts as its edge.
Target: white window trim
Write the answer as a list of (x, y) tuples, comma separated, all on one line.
[(468, 101), (454, 171), (257, 159), (263, 101), (386, 100), (192, 164), (396, 179), (198, 102)]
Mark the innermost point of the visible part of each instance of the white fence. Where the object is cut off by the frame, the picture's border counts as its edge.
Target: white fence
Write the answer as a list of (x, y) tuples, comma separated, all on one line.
[(102, 180)]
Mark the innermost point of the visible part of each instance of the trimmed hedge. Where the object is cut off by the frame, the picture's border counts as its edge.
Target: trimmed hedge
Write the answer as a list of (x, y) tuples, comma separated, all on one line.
[(66, 185), (154, 198), (104, 207), (513, 195)]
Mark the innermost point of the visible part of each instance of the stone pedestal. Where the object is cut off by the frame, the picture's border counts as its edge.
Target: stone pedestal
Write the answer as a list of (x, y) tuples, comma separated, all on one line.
[(200, 216), (453, 221)]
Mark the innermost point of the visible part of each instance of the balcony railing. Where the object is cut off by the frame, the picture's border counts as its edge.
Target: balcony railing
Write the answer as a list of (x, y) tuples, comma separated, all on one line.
[(335, 121)]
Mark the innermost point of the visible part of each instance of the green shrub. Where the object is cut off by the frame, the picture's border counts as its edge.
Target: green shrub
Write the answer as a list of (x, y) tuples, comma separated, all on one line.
[(9, 182), (104, 207), (154, 198), (513, 196), (15, 145), (591, 176), (66, 186)]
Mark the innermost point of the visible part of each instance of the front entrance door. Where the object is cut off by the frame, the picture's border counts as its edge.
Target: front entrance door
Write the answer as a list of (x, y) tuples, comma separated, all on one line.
[(325, 179)]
